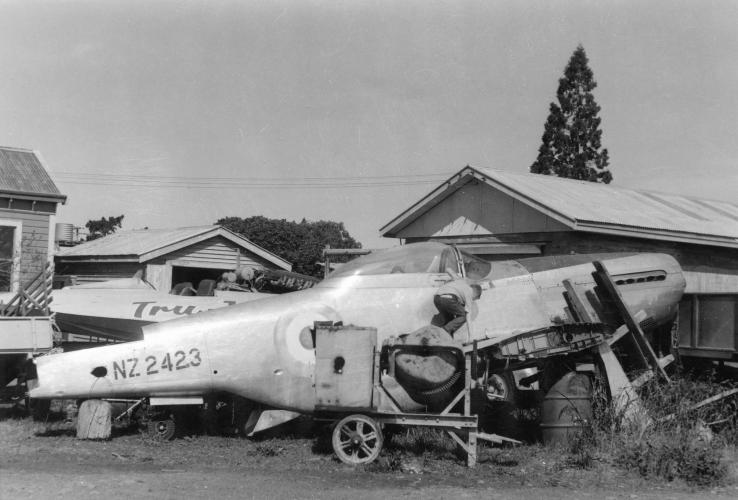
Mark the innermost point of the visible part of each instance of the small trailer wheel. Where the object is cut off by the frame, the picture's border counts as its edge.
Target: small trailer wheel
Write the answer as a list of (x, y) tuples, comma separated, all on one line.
[(162, 429), (357, 440)]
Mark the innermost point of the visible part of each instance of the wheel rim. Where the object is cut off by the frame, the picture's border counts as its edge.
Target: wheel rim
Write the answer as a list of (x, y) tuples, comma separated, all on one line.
[(162, 429), (498, 388), (357, 440)]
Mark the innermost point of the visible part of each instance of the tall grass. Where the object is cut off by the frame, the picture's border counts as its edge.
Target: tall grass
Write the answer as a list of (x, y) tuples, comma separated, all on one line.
[(670, 440)]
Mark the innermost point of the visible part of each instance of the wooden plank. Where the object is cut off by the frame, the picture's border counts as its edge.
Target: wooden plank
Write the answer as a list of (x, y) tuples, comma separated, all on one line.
[(603, 279), (623, 394), (577, 303), (496, 438), (702, 403)]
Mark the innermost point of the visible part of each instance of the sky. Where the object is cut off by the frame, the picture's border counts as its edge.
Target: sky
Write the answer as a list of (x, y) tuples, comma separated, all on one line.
[(179, 113)]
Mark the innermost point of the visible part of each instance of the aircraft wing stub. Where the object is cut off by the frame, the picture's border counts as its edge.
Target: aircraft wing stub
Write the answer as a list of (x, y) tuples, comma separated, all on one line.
[(550, 341)]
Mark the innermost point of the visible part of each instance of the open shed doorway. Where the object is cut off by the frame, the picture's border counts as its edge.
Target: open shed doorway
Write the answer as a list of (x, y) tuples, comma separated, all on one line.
[(201, 280)]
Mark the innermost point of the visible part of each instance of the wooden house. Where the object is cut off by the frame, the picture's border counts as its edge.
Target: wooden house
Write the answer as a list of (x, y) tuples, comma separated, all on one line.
[(28, 200), (165, 256)]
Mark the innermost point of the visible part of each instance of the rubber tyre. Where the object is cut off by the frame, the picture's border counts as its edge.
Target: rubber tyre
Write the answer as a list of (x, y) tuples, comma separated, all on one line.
[(164, 430)]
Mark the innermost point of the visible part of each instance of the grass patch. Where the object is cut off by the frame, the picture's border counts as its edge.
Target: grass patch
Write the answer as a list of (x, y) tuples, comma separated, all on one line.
[(674, 442), (420, 441)]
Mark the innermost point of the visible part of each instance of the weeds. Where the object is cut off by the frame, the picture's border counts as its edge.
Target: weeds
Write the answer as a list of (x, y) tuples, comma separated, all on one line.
[(423, 441), (267, 449), (671, 442)]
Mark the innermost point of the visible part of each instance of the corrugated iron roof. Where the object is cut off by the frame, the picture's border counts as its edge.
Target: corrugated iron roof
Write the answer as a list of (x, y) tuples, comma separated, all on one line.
[(605, 204), (133, 242), (22, 172), (144, 244), (590, 206)]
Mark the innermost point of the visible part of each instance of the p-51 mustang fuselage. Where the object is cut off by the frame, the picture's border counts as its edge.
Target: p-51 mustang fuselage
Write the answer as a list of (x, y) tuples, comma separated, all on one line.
[(264, 350)]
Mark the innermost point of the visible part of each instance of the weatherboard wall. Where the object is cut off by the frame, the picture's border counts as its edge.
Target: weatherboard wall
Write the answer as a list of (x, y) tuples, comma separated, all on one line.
[(215, 253), (477, 209), (34, 244)]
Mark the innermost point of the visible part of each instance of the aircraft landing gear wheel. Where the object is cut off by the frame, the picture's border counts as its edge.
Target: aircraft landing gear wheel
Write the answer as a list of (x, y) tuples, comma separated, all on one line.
[(162, 429), (357, 440), (501, 387)]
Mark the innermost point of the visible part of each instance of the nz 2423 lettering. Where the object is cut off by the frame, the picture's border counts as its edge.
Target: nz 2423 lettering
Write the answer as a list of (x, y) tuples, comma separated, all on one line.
[(153, 365)]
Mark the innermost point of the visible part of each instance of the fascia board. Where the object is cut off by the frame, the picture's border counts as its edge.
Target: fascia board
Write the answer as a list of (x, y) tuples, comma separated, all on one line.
[(114, 258), (448, 187), (172, 247), (654, 234)]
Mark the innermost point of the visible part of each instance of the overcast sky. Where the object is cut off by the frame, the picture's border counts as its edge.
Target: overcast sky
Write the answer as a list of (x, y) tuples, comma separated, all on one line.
[(177, 113)]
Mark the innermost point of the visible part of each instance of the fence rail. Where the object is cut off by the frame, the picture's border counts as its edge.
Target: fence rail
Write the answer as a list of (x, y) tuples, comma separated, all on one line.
[(35, 298)]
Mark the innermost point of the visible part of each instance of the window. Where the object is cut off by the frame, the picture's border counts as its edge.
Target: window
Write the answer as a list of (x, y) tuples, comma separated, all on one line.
[(708, 321), (717, 321), (7, 246)]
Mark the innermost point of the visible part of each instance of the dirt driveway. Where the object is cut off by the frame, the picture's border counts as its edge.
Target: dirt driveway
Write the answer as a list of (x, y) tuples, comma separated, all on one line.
[(48, 462)]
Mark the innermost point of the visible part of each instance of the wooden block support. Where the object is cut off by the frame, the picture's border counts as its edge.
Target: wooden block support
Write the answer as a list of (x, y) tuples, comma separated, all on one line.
[(603, 279), (94, 420)]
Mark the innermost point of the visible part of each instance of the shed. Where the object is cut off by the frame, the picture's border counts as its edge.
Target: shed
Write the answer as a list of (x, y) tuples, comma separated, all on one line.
[(502, 215), (28, 199), (166, 256)]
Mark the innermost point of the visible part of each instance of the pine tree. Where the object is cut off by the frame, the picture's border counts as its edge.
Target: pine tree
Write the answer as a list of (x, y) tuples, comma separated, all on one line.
[(570, 146)]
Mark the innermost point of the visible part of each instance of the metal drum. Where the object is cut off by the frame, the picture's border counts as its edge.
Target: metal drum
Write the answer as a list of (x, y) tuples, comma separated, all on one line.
[(567, 407)]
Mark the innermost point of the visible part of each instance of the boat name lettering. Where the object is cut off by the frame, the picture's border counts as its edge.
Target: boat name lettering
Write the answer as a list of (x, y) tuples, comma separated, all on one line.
[(148, 309)]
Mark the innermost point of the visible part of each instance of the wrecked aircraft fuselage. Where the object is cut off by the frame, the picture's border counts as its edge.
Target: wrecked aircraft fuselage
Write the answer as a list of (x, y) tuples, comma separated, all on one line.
[(264, 351)]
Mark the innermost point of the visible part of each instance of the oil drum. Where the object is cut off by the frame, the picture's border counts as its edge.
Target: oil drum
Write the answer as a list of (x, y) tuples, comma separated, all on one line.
[(567, 407)]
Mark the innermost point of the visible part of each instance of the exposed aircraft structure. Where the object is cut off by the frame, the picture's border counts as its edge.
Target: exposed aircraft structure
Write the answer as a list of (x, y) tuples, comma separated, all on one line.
[(532, 312)]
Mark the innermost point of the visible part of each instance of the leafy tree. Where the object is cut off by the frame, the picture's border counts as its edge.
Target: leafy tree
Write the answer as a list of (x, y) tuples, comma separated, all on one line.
[(300, 243), (103, 227), (571, 138)]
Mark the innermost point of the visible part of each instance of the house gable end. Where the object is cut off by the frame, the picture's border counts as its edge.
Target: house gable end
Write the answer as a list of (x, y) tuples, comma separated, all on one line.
[(216, 251), (478, 209)]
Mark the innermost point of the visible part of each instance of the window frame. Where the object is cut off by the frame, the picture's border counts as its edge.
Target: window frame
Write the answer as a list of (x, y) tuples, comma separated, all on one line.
[(17, 252)]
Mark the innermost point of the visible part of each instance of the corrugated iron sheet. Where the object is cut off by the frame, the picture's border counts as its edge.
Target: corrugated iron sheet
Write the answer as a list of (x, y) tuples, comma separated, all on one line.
[(21, 171), (134, 242), (582, 201)]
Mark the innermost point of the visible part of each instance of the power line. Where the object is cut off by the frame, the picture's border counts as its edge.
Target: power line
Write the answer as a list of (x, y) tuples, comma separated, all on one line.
[(253, 186), (256, 179), (153, 181)]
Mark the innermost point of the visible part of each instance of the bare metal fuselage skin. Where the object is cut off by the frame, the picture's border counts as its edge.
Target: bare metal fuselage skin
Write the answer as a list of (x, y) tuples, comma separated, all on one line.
[(263, 350)]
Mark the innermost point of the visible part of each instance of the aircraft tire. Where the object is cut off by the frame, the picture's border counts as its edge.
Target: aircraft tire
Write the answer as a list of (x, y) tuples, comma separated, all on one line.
[(357, 440), (501, 387), (164, 430)]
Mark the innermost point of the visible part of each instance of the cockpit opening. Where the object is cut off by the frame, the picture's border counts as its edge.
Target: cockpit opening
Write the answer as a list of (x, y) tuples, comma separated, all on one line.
[(427, 258)]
